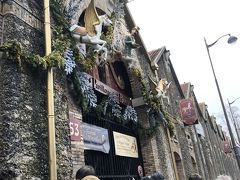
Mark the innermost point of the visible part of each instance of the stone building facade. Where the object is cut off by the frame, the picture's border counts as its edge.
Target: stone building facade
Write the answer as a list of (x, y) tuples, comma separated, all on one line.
[(171, 148), (209, 142)]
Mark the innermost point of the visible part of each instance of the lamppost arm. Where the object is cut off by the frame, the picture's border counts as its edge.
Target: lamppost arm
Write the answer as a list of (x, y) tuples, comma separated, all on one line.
[(210, 45), (233, 101)]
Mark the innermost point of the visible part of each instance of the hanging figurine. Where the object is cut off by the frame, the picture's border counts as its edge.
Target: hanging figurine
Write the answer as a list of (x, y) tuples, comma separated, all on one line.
[(91, 33), (130, 44)]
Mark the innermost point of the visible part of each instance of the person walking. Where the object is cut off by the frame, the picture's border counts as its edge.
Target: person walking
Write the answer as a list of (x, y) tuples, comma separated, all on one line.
[(86, 173)]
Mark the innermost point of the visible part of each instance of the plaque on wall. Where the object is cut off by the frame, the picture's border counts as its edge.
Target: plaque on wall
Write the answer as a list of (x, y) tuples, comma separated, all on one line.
[(74, 125), (103, 88), (125, 145)]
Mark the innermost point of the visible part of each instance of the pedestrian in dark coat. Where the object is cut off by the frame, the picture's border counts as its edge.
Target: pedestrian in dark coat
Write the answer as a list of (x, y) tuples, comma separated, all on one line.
[(86, 173)]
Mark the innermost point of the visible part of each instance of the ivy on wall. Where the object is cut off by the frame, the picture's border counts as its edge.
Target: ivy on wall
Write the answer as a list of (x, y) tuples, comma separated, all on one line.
[(62, 43), (156, 113)]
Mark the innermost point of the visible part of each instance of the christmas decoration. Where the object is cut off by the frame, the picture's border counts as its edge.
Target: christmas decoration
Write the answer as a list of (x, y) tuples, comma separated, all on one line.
[(69, 62), (113, 105), (130, 114), (87, 90)]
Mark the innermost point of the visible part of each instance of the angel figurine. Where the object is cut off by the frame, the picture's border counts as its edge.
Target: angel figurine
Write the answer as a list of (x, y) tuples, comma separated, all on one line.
[(160, 89)]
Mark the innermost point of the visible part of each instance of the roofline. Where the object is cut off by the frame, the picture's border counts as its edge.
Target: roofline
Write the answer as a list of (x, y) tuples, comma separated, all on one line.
[(154, 61), (175, 78)]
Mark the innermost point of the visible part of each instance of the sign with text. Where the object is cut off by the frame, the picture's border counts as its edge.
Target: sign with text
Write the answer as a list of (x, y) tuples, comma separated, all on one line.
[(104, 89), (125, 145), (95, 138), (188, 111), (74, 125)]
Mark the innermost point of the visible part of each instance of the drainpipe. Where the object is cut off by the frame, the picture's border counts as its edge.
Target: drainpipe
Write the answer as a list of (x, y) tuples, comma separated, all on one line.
[(201, 153), (172, 155), (2, 26), (51, 119)]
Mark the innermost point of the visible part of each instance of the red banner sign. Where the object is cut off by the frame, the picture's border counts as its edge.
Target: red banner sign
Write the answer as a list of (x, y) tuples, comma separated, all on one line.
[(188, 111)]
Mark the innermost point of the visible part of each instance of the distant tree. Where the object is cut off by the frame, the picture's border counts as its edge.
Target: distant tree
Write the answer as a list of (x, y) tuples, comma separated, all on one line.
[(222, 121), (236, 112), (235, 117)]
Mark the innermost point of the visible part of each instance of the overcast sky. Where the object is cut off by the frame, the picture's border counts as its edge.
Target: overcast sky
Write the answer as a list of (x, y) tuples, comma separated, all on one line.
[(181, 26)]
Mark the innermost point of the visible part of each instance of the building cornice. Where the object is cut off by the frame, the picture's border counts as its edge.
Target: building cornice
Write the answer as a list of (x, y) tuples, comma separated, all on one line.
[(17, 9)]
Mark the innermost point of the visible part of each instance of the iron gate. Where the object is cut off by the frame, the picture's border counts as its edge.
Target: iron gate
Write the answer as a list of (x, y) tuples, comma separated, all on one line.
[(109, 166)]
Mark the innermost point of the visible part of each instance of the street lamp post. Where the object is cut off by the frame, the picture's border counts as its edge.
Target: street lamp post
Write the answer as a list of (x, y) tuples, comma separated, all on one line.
[(231, 39), (234, 122)]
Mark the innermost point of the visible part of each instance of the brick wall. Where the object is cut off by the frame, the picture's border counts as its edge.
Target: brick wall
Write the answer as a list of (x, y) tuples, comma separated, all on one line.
[(148, 145), (165, 154), (23, 112), (217, 161)]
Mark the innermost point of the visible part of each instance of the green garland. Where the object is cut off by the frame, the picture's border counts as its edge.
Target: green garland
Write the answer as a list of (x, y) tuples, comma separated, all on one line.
[(101, 110), (61, 41), (13, 50)]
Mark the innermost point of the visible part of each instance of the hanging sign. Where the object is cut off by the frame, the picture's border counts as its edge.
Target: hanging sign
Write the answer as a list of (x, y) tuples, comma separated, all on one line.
[(227, 147), (188, 111), (106, 90), (199, 129), (74, 125), (95, 138), (125, 145)]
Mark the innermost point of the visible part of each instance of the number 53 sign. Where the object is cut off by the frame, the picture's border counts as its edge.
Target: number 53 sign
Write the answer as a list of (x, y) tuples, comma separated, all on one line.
[(74, 126)]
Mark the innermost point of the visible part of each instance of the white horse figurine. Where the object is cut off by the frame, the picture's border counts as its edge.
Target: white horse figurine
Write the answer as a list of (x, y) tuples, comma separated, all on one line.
[(81, 34), (189, 107)]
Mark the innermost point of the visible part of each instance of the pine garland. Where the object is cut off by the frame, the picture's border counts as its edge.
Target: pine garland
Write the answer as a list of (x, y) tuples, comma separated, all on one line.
[(108, 106), (61, 42)]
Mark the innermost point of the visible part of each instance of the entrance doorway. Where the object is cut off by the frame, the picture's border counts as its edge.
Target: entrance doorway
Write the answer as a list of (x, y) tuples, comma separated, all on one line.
[(109, 166)]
